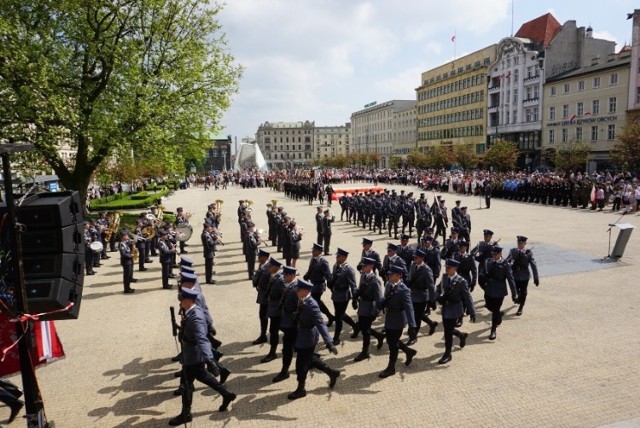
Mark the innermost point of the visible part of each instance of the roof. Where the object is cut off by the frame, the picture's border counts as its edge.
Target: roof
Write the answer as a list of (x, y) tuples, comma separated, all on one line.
[(590, 69), (543, 29)]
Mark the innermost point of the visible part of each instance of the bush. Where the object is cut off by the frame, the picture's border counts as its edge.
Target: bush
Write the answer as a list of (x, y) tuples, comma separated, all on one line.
[(128, 202), (139, 196)]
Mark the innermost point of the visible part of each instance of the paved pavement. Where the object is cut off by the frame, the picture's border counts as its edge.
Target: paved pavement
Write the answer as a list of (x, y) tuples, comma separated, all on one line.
[(571, 360)]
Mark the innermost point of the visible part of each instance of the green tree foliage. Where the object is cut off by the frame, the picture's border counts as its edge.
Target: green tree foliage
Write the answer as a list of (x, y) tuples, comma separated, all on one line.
[(572, 156), (626, 152), (464, 155), (417, 159), (439, 156), (549, 156), (501, 156), (112, 77)]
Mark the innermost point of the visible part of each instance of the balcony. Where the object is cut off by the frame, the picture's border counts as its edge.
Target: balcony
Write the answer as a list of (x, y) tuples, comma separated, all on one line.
[(494, 89), (531, 79), (530, 101), (493, 108)]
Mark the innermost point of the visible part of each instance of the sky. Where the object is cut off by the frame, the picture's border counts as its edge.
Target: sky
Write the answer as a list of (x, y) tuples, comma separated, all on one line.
[(322, 60)]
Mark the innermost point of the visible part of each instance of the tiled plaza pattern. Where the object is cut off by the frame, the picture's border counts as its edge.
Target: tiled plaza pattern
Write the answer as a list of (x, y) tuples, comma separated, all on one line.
[(571, 360)]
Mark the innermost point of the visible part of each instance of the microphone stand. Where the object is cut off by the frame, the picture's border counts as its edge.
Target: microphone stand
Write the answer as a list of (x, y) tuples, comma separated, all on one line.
[(611, 226)]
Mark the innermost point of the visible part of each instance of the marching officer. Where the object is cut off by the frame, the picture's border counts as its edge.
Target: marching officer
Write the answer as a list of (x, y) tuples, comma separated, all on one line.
[(310, 325), (452, 291), (482, 252), (465, 224), (126, 260), (167, 252), (318, 274), (289, 329), (366, 300), (450, 245), (250, 248), (420, 282), (521, 259), (343, 287), (498, 274), (326, 231), (368, 252), (275, 290), (261, 284), (209, 242), (319, 217), (399, 312), (391, 259), (196, 354), (405, 252), (466, 269)]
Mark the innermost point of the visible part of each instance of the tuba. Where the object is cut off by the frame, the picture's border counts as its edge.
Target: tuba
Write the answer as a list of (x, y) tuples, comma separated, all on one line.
[(114, 223), (274, 202)]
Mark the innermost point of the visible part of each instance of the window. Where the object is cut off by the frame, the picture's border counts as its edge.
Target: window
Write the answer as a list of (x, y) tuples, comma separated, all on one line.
[(535, 92), (515, 95), (535, 114), (638, 94), (612, 104), (515, 116), (529, 92), (565, 135), (595, 107), (613, 79), (565, 111), (596, 82), (567, 88), (553, 91), (580, 109), (594, 133), (611, 132), (552, 136), (516, 74), (579, 134), (552, 113), (529, 115), (580, 85), (516, 60)]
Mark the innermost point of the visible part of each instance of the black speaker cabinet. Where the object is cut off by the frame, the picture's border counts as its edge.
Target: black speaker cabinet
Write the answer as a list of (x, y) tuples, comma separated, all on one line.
[(65, 265), (50, 210), (53, 241), (48, 294)]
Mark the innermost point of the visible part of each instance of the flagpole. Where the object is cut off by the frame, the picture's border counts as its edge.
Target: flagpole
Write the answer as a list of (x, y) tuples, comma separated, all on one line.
[(455, 42)]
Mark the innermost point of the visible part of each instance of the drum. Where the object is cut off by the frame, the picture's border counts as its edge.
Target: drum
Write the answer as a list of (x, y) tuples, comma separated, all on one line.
[(183, 232), (96, 246)]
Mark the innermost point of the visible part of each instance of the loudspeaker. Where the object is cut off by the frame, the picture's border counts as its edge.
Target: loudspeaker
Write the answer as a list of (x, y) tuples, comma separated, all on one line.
[(66, 265), (50, 210), (49, 294), (52, 241)]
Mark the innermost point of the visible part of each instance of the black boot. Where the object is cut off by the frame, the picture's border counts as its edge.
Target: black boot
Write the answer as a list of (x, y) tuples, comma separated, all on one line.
[(413, 336), (224, 373), (182, 418), (283, 375), (271, 355), (389, 371), (520, 309), (227, 398), (445, 358), (379, 336), (298, 393), (493, 335), (364, 355)]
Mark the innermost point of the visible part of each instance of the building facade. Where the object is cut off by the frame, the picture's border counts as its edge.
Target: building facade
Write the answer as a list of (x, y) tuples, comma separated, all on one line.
[(452, 100), (404, 131), (374, 128), (588, 105), (286, 144), (634, 71), (540, 50), (331, 141), (218, 155)]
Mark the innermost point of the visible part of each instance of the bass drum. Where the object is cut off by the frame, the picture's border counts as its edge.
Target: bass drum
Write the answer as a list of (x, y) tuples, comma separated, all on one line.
[(96, 246), (183, 232)]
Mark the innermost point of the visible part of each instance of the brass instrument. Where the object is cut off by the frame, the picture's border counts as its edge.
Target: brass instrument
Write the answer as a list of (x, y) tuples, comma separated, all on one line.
[(134, 252), (274, 202), (218, 210), (249, 202), (114, 223)]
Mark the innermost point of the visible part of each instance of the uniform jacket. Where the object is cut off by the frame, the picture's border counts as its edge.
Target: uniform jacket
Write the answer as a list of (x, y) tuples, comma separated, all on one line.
[(387, 263), (274, 296), (467, 268), (369, 294), (451, 292), (165, 251), (372, 254), (289, 306), (343, 280), (420, 281), (433, 259), (125, 253), (406, 254), (208, 245), (196, 347), (261, 283), (498, 274), (398, 306), (520, 262), (318, 274), (326, 225), (310, 324)]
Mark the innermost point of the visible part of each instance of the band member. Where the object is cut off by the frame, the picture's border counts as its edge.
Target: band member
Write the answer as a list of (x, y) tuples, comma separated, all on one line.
[(140, 245), (326, 231), (103, 224), (452, 291), (343, 287), (521, 259), (420, 282), (95, 237), (391, 259), (289, 329), (498, 273), (196, 354), (319, 217), (310, 325), (275, 291), (250, 248), (319, 273), (167, 252), (181, 218), (88, 252), (126, 260), (261, 284), (399, 312), (366, 300), (209, 241)]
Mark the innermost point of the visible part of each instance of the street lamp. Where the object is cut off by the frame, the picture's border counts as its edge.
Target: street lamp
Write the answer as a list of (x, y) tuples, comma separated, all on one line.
[(224, 159)]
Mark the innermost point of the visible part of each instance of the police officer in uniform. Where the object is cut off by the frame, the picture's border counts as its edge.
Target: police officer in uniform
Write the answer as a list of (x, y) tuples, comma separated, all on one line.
[(420, 282), (319, 217), (319, 273), (209, 242), (391, 259), (482, 252), (167, 251), (289, 329), (275, 290), (343, 287), (250, 248), (366, 301), (466, 269), (310, 325), (399, 312), (450, 245), (521, 259), (126, 260), (498, 274), (367, 251), (405, 252), (327, 219), (196, 354), (261, 284), (452, 291)]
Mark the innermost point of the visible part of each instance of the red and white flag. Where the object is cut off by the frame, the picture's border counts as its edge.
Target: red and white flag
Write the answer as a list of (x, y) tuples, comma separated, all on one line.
[(453, 38)]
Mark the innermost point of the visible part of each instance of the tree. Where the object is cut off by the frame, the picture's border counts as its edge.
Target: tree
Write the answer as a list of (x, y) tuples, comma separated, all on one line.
[(572, 156), (463, 155), (549, 156), (417, 159), (626, 152), (112, 77), (439, 157), (502, 156)]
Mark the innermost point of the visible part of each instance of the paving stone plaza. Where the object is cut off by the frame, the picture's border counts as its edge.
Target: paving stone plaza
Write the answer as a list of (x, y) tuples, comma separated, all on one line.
[(571, 360)]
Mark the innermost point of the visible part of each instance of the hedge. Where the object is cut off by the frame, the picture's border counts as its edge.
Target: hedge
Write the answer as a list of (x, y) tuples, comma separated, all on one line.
[(127, 202)]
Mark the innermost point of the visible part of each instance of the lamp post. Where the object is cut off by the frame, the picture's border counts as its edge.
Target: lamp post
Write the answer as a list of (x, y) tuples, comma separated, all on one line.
[(224, 159)]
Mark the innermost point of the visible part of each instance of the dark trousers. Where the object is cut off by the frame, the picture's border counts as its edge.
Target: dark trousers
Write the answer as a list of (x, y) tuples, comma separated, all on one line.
[(274, 335), (127, 274), (327, 242), (208, 269), (320, 238), (418, 313), (88, 260), (487, 200), (191, 373), (343, 211), (364, 323), (340, 315), (264, 319), (251, 264), (393, 340), (288, 341), (493, 304), (166, 271), (303, 362), (449, 331), (141, 257), (323, 308), (522, 286)]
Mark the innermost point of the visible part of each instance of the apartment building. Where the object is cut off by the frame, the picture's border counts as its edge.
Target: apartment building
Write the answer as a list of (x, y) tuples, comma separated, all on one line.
[(286, 144)]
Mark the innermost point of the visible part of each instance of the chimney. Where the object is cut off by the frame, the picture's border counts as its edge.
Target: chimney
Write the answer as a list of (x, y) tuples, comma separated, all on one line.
[(595, 60), (589, 33)]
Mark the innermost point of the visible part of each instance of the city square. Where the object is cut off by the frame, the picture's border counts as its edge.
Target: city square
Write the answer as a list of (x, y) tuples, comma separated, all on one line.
[(569, 360)]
